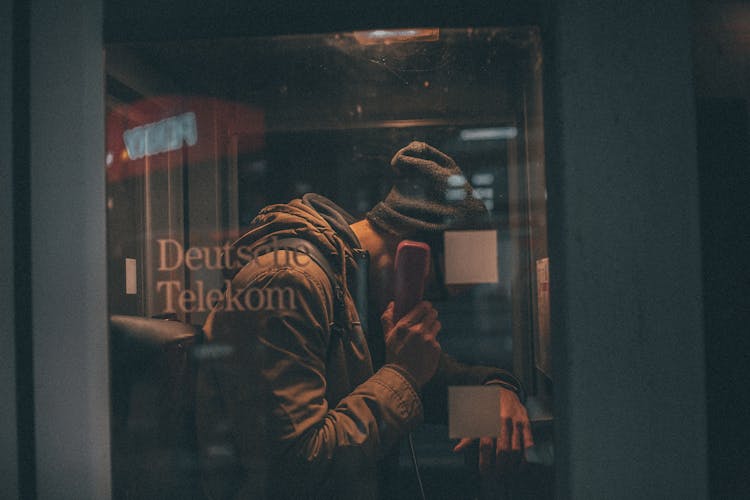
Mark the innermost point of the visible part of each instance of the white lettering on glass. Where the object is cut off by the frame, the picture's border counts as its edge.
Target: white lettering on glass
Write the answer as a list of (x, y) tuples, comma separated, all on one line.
[(173, 256)]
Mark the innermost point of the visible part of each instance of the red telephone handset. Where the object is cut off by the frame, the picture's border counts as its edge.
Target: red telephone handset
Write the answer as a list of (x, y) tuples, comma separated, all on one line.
[(412, 267)]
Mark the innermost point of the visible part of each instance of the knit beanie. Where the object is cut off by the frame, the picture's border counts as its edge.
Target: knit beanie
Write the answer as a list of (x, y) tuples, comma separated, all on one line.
[(430, 194)]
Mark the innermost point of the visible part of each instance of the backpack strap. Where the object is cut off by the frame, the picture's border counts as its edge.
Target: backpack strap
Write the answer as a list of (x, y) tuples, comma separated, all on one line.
[(304, 246), (240, 280), (359, 294)]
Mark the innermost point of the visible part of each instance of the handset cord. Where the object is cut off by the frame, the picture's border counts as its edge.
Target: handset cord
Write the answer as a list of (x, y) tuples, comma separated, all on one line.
[(416, 466)]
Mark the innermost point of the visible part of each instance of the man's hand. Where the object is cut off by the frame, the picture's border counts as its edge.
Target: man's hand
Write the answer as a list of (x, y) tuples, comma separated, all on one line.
[(505, 453), (412, 342)]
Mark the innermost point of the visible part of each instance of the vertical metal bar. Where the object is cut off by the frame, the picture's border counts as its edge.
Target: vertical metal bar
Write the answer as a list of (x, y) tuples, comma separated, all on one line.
[(21, 470)]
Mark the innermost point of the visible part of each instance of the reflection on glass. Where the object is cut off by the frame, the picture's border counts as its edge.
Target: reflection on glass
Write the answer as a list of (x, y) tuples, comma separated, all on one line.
[(202, 135)]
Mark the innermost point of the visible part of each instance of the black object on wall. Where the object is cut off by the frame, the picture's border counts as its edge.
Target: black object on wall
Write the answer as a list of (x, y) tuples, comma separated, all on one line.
[(153, 418)]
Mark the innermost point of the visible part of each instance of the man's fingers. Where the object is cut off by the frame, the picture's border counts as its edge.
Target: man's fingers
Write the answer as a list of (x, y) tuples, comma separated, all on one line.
[(433, 329), (462, 445), (516, 444), (422, 320), (417, 315), (486, 450), (503, 457), (505, 454), (506, 433), (528, 437), (386, 319)]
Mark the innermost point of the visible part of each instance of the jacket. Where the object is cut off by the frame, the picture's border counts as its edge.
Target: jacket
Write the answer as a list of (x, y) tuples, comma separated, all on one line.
[(294, 400)]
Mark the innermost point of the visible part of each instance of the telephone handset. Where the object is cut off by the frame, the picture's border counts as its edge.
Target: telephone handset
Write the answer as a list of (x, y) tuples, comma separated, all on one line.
[(412, 267)]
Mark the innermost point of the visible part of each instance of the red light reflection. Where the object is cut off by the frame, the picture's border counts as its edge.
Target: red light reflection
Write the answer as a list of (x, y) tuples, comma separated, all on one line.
[(168, 131)]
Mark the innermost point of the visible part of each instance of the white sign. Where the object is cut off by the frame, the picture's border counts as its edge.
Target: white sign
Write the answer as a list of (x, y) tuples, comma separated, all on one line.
[(471, 257), (131, 276), (473, 411)]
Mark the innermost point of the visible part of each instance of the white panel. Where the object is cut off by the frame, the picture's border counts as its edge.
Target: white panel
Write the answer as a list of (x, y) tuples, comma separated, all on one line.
[(131, 276), (473, 411), (470, 257)]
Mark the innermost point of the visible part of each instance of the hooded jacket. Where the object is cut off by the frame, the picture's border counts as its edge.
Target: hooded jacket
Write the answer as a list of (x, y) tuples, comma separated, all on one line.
[(294, 400)]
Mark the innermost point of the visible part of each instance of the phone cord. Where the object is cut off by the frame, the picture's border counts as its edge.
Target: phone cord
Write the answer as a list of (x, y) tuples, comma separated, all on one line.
[(416, 467)]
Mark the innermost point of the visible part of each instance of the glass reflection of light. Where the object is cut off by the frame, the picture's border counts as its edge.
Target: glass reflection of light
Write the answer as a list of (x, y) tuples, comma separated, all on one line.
[(482, 179), (162, 136), (456, 181), (488, 134), (455, 194), (398, 35)]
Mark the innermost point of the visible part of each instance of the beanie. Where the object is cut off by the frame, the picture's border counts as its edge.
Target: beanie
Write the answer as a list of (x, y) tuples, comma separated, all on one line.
[(430, 194)]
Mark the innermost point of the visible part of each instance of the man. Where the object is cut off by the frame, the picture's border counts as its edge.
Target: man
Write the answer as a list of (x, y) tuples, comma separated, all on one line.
[(301, 401)]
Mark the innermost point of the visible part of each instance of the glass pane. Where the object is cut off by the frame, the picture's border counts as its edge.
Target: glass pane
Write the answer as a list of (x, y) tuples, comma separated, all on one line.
[(200, 137)]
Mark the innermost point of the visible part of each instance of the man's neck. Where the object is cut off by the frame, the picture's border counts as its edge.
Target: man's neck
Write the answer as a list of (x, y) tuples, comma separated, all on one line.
[(382, 250), (372, 240)]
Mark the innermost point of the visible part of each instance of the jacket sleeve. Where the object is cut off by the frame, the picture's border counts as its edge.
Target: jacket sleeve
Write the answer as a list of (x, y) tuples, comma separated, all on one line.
[(282, 348), (452, 372)]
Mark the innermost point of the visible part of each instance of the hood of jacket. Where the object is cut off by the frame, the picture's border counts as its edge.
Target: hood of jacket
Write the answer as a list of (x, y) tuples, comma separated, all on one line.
[(315, 219), (312, 217)]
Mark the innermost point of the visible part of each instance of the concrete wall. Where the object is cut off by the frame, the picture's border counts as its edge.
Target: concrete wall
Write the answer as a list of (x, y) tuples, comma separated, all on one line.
[(68, 210), (625, 252)]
